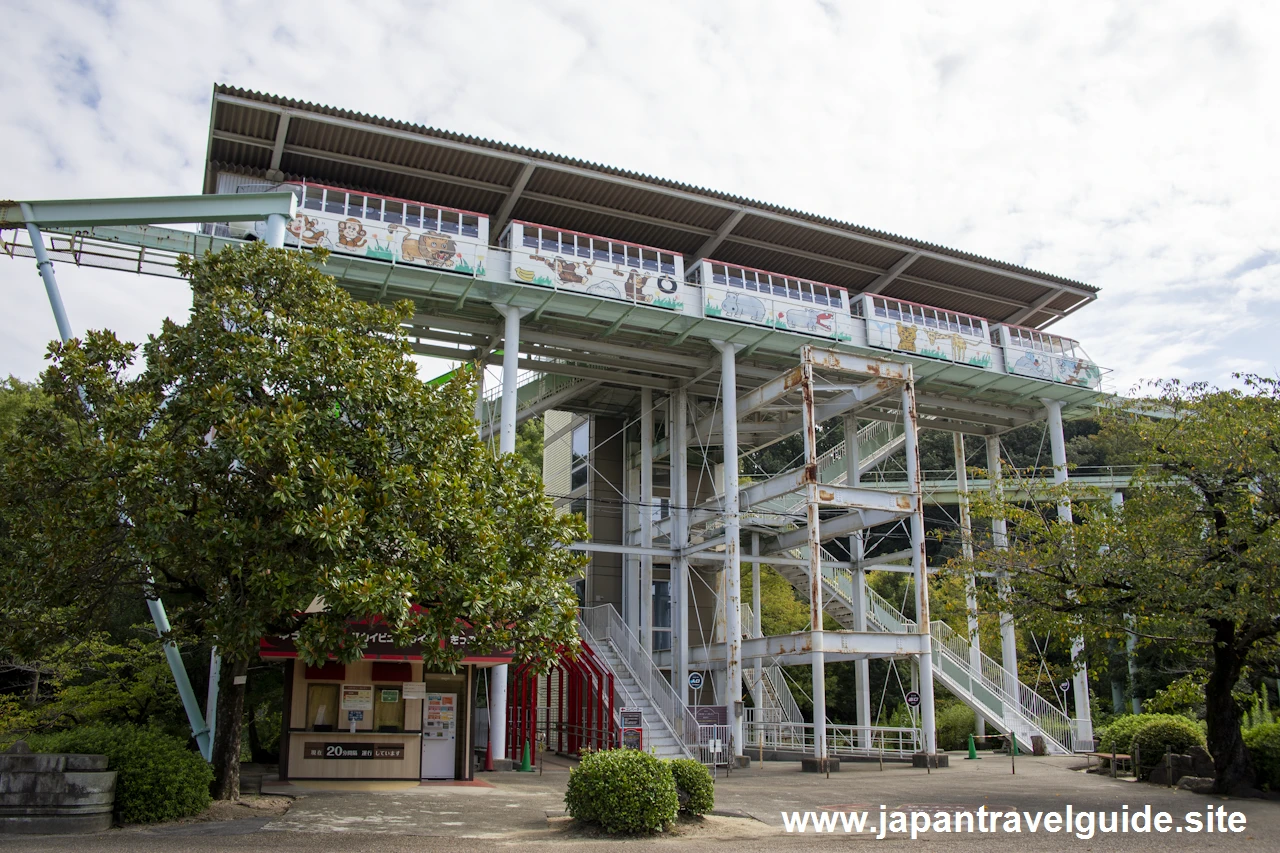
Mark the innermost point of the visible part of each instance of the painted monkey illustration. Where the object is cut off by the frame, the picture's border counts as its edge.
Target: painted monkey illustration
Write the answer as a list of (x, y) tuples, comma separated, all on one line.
[(305, 229), (566, 271), (634, 285), (351, 233)]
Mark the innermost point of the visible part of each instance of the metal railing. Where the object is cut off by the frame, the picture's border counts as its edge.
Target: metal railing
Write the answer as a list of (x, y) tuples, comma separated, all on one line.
[(871, 741), (602, 624), (872, 439)]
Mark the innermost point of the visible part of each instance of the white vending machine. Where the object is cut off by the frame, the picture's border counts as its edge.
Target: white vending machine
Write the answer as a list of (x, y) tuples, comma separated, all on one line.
[(439, 735)]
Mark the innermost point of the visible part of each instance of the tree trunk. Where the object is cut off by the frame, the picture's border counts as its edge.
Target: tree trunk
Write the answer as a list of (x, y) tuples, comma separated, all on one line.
[(1233, 770), (226, 742)]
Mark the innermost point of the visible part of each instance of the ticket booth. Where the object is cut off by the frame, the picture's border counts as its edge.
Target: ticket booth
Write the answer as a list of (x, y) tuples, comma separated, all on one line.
[(382, 717)]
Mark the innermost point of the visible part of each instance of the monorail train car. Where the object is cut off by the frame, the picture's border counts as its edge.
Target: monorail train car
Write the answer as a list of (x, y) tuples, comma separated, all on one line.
[(901, 326), (1028, 352), (599, 266), (749, 295), (382, 227)]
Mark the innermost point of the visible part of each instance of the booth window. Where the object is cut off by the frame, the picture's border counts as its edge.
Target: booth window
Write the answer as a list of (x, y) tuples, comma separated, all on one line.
[(388, 708), (322, 707)]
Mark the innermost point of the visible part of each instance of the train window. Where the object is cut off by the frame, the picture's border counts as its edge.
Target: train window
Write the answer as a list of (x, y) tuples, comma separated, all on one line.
[(430, 219), (617, 254), (355, 205), (633, 256), (470, 225), (666, 264), (314, 200), (735, 277), (780, 288), (449, 222), (649, 259), (335, 201), (806, 291), (600, 250), (584, 247), (718, 274), (393, 212), (528, 236), (550, 240), (413, 216)]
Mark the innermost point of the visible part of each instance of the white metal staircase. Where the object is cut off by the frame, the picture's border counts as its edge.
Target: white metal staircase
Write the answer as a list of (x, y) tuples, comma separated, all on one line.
[(973, 677), (670, 728), (777, 705)]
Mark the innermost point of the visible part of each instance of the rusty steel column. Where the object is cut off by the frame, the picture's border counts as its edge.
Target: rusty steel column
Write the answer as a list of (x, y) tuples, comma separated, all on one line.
[(1000, 542), (1083, 728), (919, 566), (966, 549), (646, 519), (816, 656), (757, 664), (679, 539), (857, 547), (732, 550)]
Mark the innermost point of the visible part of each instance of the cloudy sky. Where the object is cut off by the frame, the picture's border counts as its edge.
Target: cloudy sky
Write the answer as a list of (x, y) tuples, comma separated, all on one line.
[(1134, 149)]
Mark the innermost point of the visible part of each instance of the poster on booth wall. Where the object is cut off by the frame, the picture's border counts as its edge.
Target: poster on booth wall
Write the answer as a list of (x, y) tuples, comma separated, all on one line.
[(414, 690), (357, 697)]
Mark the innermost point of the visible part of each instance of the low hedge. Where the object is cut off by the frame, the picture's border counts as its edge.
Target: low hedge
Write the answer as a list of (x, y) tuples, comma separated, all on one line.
[(954, 725), (1122, 730), (694, 788), (157, 779), (1157, 736), (623, 791), (1263, 743)]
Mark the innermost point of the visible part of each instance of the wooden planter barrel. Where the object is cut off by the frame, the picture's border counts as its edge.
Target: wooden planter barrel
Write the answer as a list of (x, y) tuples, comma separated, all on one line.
[(54, 794)]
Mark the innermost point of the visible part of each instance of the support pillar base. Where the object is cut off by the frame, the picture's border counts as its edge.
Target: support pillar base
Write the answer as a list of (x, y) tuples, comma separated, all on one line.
[(819, 765), (934, 760)]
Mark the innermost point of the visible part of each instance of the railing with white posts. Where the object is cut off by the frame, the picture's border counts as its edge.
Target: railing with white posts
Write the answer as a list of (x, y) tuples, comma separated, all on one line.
[(890, 741), (602, 624)]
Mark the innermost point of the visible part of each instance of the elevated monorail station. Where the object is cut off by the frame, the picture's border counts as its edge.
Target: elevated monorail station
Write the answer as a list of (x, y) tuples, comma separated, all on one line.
[(667, 334)]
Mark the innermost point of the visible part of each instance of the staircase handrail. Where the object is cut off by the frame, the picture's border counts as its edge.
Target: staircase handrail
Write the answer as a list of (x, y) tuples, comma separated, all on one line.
[(602, 623), (1036, 710)]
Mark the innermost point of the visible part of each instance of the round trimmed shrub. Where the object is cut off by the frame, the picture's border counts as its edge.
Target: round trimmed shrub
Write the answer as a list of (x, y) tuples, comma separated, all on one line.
[(694, 788), (623, 791), (1157, 736), (157, 779), (1263, 743)]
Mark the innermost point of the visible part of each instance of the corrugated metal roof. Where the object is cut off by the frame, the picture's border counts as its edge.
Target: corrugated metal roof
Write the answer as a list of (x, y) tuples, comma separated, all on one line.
[(381, 155)]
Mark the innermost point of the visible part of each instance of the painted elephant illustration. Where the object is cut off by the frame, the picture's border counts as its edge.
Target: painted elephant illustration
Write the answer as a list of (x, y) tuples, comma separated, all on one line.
[(744, 307)]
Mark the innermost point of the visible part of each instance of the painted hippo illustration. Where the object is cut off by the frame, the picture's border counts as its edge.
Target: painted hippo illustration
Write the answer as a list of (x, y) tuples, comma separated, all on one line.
[(809, 320), (743, 307)]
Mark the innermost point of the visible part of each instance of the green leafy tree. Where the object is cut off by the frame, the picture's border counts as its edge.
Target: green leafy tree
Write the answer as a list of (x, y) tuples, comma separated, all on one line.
[(277, 450), (1191, 559)]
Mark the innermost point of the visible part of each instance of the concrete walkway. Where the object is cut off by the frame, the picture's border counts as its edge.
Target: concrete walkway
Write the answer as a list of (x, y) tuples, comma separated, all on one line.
[(512, 812)]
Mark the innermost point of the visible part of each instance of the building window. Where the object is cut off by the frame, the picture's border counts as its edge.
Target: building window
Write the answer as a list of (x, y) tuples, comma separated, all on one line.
[(322, 707), (661, 616), (581, 450), (388, 708)]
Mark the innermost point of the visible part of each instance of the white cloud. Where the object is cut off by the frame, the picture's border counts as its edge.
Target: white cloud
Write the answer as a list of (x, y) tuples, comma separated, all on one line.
[(1129, 147)]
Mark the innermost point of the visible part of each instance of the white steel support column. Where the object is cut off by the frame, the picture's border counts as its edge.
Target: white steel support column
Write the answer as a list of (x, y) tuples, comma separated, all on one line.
[(857, 550), (1080, 677), (919, 567), (818, 662), (757, 665), (1000, 541), (506, 444), (678, 435), (645, 599), (966, 549), (276, 223), (732, 550)]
